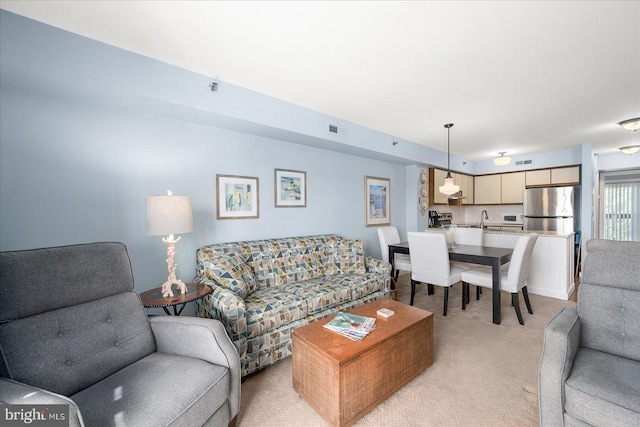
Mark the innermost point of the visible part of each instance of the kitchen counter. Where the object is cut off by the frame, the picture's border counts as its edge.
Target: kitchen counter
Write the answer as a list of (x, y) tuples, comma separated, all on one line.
[(513, 228)]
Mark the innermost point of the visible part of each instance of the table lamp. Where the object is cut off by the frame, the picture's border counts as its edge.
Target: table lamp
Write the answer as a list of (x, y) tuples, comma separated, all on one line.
[(170, 215)]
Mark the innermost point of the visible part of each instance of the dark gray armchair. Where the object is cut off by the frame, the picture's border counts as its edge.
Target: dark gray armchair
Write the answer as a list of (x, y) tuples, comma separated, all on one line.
[(73, 331), (590, 365)]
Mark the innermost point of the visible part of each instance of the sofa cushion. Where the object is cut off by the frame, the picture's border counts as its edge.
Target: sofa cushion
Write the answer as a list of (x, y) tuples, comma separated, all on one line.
[(319, 294), (603, 389), (267, 309), (160, 387), (344, 257), (231, 272), (359, 285)]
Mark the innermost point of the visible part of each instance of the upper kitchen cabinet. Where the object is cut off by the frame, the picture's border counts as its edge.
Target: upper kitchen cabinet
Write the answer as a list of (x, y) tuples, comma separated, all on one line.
[(555, 176), (566, 176), (538, 177), (436, 179), (488, 189), (513, 185)]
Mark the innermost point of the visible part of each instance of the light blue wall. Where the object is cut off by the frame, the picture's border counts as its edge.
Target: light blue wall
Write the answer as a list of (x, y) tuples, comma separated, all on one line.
[(77, 171)]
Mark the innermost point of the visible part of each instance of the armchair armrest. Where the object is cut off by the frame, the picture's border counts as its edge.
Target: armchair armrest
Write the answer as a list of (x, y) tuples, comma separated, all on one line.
[(17, 393), (561, 342), (203, 339)]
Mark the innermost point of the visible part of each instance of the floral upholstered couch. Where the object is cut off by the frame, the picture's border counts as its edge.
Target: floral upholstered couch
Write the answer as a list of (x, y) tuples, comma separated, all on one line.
[(263, 289)]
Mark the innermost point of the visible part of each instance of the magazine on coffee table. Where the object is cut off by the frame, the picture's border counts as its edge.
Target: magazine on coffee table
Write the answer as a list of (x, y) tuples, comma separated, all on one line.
[(352, 326)]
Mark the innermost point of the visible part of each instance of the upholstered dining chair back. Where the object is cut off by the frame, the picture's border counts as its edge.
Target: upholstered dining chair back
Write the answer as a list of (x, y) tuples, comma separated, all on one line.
[(429, 258), (387, 235), (520, 263)]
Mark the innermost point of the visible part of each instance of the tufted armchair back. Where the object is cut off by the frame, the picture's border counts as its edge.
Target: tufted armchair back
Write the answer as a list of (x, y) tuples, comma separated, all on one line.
[(609, 298), (69, 316)]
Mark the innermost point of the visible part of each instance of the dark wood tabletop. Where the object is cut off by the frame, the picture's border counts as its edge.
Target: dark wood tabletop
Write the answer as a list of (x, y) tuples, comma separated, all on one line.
[(153, 297), (484, 255)]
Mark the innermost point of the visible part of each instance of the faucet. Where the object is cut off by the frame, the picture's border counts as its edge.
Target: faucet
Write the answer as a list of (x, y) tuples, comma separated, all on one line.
[(483, 216)]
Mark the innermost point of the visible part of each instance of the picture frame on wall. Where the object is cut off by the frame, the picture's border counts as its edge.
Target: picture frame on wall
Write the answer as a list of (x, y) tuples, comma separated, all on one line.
[(290, 188), (236, 197), (377, 193)]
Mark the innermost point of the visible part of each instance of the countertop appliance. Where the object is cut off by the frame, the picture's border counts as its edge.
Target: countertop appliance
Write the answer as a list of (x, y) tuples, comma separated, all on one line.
[(550, 209), (437, 219)]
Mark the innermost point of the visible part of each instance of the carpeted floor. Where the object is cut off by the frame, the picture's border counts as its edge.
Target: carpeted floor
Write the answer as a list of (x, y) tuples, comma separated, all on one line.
[(483, 374)]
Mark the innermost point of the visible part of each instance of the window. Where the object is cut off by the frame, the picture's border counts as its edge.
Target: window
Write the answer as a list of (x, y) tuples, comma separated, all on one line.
[(620, 206)]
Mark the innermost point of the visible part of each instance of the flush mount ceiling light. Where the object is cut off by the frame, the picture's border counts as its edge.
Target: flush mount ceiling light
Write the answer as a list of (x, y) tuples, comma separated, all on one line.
[(502, 160), (449, 187), (631, 124), (631, 149)]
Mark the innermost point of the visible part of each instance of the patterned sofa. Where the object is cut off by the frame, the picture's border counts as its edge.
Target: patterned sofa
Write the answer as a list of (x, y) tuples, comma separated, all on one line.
[(263, 289)]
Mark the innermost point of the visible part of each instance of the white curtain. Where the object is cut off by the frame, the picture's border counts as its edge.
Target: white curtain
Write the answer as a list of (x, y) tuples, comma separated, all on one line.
[(622, 209)]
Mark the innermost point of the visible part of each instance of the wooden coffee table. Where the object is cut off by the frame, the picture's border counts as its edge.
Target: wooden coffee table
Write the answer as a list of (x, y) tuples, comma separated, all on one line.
[(342, 380)]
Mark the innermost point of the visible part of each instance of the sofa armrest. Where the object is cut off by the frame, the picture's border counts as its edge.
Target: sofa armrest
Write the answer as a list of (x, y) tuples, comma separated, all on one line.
[(203, 339), (377, 266), (225, 306), (561, 342), (16, 393)]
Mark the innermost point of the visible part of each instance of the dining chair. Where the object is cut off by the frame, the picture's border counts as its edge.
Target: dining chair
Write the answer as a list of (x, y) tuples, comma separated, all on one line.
[(513, 276), (389, 235), (468, 236), (430, 264)]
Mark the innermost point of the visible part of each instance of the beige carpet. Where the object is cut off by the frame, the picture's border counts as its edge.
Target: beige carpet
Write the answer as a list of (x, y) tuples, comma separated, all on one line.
[(483, 374)]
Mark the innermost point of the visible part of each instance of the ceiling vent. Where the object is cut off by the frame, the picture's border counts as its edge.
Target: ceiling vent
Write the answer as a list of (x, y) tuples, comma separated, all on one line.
[(524, 162), (338, 130)]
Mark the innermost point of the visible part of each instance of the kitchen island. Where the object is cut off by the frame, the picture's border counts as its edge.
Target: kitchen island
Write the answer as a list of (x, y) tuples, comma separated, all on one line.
[(552, 262)]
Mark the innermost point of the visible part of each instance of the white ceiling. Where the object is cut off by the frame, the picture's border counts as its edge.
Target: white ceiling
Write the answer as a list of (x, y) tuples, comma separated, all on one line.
[(523, 76)]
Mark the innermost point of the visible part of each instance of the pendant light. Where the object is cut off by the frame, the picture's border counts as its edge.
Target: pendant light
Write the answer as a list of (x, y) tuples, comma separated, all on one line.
[(449, 187), (631, 124)]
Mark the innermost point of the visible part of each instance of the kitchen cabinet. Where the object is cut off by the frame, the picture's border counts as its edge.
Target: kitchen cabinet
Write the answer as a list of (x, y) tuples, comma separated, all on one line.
[(488, 189), (436, 179), (513, 184), (538, 177), (554, 176), (569, 175), (467, 188)]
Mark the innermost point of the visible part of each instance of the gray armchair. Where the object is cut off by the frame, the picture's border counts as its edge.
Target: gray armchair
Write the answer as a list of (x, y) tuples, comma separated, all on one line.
[(590, 365), (73, 332)]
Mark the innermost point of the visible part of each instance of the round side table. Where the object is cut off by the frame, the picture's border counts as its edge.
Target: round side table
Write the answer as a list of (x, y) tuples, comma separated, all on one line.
[(153, 298)]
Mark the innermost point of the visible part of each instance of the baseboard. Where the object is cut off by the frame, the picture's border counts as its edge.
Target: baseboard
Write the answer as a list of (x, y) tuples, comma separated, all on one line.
[(550, 293)]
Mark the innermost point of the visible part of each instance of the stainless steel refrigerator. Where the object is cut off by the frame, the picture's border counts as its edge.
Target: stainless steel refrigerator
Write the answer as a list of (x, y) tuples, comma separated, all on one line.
[(550, 209)]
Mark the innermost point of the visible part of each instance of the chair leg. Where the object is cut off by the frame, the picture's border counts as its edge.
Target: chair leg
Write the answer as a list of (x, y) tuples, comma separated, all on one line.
[(446, 301), (397, 272), (516, 304), (525, 294), (431, 290), (413, 290), (465, 290), (478, 292)]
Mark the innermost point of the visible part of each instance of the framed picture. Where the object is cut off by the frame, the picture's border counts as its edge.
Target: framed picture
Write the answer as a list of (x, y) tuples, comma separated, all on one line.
[(236, 197), (290, 189), (377, 195)]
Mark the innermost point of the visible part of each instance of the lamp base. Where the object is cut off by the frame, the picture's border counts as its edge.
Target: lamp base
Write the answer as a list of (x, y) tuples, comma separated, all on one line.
[(166, 287), (172, 280)]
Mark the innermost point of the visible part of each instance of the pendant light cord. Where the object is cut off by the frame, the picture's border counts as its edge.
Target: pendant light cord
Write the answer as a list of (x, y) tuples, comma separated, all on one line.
[(448, 126)]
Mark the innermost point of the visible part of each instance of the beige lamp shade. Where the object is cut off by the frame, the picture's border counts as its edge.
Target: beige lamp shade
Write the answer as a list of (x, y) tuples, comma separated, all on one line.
[(168, 215)]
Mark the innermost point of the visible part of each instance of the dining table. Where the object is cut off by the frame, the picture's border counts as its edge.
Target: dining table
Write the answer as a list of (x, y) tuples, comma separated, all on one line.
[(484, 255)]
